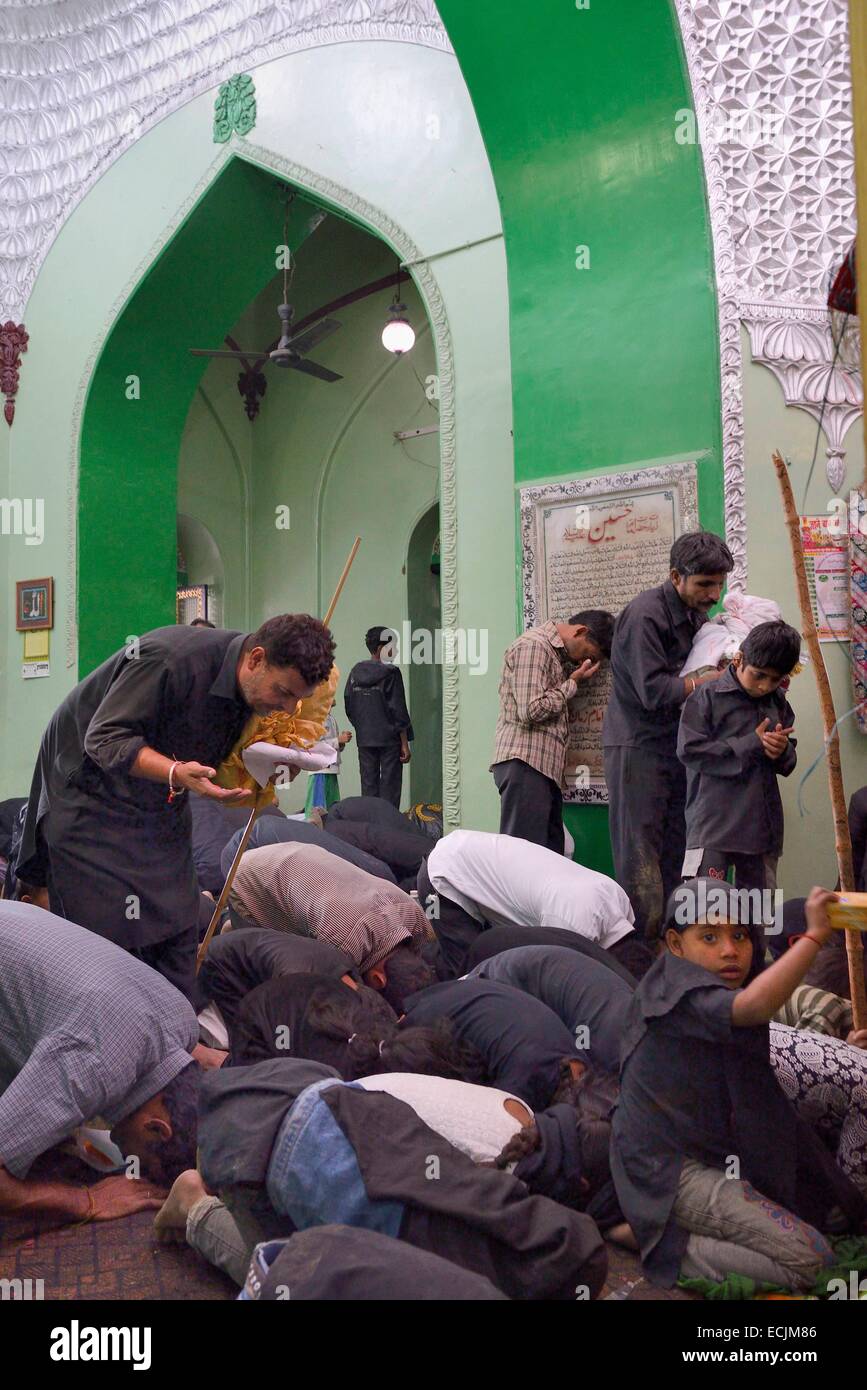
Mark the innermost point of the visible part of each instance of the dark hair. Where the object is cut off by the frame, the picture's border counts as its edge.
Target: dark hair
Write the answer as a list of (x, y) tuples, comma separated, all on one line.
[(595, 1099), (373, 638), (701, 552), (165, 1162), (594, 1096), (599, 625), (202, 622), (633, 954), (773, 645), (296, 639), (433, 1051), (406, 972), (375, 1044)]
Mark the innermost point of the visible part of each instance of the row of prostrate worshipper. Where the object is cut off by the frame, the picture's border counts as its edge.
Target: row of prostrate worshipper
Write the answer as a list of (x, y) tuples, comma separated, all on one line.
[(464, 1095)]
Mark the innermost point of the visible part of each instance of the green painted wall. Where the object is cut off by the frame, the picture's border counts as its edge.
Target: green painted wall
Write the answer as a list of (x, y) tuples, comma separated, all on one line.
[(384, 124), (127, 501), (328, 453), (618, 362)]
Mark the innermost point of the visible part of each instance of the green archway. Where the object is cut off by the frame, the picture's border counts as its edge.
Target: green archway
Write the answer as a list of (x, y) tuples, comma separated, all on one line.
[(616, 361), (209, 271)]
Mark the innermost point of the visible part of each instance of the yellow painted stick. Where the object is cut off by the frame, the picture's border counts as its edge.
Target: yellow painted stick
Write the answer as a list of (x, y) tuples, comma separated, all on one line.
[(341, 581)]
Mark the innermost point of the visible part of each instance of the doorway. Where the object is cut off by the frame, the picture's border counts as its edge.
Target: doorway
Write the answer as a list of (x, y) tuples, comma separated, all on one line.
[(424, 609)]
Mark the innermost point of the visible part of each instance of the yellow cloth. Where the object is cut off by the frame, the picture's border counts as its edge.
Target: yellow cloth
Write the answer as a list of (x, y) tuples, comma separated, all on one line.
[(305, 726)]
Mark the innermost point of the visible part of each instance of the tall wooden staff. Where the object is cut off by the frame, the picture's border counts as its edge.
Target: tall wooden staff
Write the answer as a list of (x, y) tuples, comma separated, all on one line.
[(259, 795), (854, 944)]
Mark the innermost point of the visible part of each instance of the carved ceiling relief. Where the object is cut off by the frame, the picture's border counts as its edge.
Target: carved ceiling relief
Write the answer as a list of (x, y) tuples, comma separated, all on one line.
[(804, 358), (13, 341), (234, 109), (771, 91), (80, 82)]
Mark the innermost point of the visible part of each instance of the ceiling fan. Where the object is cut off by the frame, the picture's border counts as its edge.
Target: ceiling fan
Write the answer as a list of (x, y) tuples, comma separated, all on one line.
[(291, 350)]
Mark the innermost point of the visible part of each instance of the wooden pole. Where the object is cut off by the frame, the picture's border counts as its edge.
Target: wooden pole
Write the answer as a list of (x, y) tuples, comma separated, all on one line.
[(341, 581), (248, 829), (843, 840), (227, 886), (858, 65)]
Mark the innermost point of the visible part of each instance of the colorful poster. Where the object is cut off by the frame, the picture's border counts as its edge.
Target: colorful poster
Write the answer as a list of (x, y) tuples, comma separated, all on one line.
[(858, 588), (826, 558)]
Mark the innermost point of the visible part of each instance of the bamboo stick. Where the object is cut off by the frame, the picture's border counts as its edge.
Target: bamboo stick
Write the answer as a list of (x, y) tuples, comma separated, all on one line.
[(227, 886), (843, 840), (341, 581)]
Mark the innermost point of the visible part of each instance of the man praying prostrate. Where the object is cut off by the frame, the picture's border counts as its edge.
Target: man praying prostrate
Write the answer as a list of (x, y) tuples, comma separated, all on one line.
[(108, 827), (86, 1030), (474, 880)]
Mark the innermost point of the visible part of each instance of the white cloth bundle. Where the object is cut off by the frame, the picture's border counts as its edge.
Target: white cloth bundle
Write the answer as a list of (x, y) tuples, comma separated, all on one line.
[(262, 760), (723, 635)]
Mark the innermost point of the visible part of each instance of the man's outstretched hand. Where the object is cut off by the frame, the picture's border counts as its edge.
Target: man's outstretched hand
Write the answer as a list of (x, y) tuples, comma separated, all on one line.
[(120, 1196), (196, 778)]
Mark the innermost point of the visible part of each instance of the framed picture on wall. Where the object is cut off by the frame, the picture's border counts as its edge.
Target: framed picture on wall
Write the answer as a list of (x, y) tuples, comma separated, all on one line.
[(34, 604), (192, 603)]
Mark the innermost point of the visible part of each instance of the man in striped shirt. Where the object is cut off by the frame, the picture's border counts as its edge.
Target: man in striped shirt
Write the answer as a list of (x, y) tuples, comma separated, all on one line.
[(305, 889), (541, 673)]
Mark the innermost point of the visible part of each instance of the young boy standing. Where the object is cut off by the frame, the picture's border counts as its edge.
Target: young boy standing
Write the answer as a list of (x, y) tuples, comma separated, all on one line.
[(734, 742), (375, 703)]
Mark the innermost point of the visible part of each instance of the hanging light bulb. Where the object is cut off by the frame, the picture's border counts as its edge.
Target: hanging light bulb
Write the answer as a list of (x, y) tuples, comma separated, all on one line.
[(398, 335)]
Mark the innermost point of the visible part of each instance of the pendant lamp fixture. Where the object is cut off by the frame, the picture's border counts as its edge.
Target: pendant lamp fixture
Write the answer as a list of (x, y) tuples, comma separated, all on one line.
[(398, 335)]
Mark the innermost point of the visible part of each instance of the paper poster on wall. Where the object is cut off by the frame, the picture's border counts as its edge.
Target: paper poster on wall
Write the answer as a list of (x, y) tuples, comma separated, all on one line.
[(826, 560), (597, 543)]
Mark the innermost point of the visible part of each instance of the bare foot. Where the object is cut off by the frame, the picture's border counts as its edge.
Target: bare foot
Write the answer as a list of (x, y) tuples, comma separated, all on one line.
[(208, 1057), (316, 816), (170, 1222)]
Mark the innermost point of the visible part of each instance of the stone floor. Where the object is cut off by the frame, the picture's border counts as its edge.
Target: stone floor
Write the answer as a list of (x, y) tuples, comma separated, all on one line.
[(122, 1260)]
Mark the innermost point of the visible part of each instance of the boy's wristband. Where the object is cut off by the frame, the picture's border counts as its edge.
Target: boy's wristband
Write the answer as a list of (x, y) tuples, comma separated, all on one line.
[(805, 936)]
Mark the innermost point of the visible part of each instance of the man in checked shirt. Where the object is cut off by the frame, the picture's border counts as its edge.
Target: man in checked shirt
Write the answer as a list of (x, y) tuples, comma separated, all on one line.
[(541, 673)]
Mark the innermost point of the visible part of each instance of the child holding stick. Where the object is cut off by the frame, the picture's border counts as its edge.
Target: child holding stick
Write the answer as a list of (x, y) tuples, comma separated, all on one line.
[(714, 1171)]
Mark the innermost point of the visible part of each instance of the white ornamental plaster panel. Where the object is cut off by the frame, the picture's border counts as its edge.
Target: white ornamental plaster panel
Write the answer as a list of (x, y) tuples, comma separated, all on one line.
[(772, 102), (801, 352), (81, 81)]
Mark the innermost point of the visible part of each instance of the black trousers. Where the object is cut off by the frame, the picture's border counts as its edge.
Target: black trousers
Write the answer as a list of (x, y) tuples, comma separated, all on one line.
[(531, 805), (381, 772), (646, 803), (175, 960), (455, 929)]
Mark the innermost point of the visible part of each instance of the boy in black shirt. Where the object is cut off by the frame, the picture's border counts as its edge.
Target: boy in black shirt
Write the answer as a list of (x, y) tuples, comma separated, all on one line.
[(375, 705), (734, 742)]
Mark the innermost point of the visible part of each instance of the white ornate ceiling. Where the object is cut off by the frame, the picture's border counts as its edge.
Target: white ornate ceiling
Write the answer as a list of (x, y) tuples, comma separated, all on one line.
[(771, 90), (788, 166), (82, 79)]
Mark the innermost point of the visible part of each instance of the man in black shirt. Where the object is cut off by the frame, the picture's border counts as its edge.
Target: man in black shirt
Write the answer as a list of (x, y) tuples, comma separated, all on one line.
[(108, 824), (588, 997), (375, 705), (525, 1047), (653, 637)]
